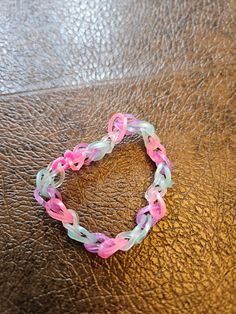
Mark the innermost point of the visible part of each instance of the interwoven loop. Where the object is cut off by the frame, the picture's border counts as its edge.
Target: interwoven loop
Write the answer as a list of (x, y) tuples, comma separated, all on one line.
[(50, 178)]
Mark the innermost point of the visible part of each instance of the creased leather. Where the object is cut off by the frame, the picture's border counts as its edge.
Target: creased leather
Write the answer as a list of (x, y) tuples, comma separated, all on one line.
[(66, 67)]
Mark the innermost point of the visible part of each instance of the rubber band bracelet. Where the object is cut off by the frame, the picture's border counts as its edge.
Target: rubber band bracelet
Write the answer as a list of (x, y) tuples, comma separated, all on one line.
[(50, 178)]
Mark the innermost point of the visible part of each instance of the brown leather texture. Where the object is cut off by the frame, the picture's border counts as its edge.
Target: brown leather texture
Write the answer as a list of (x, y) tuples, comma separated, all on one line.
[(65, 68)]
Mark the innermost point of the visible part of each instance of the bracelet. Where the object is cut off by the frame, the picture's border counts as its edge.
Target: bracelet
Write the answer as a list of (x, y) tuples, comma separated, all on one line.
[(50, 178)]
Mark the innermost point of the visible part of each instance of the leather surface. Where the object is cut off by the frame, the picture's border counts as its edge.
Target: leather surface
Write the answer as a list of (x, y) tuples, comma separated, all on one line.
[(66, 67)]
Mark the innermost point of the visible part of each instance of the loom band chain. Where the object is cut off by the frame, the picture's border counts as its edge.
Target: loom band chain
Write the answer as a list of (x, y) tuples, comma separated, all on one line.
[(130, 119), (61, 174), (130, 236), (160, 172), (94, 247), (143, 127), (161, 189), (81, 235), (80, 148), (106, 138), (153, 146), (153, 209), (39, 198), (146, 139), (136, 234), (52, 176), (75, 160), (52, 193), (130, 129), (114, 133), (153, 196), (77, 232), (144, 230), (83, 153), (102, 147), (55, 172), (168, 180), (157, 211), (156, 151), (88, 154), (162, 177), (58, 166), (159, 184), (106, 246), (65, 162), (160, 157), (110, 246), (57, 210), (105, 146), (46, 178), (60, 161), (43, 180)]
